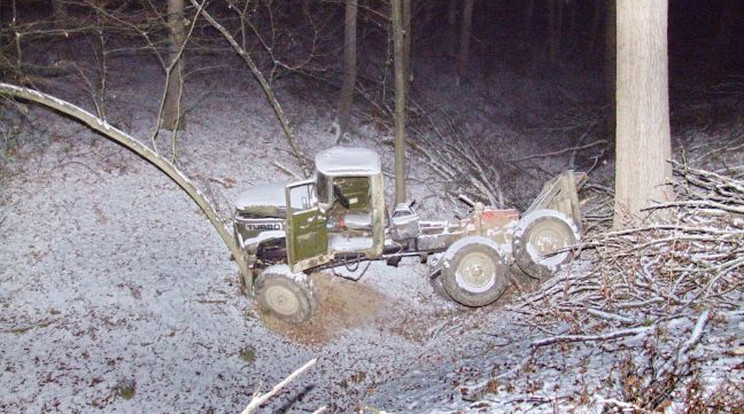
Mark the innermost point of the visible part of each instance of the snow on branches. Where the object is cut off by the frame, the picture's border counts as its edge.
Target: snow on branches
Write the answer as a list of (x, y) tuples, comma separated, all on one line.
[(660, 305)]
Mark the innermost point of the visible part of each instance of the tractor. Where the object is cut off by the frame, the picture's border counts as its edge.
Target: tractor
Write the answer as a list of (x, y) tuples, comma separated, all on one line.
[(338, 217)]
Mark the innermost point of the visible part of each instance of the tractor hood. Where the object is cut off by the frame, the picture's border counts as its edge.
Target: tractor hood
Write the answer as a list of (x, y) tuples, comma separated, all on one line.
[(263, 201)]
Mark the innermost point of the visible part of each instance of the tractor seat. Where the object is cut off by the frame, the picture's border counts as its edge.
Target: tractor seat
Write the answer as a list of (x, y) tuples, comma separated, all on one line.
[(357, 221)]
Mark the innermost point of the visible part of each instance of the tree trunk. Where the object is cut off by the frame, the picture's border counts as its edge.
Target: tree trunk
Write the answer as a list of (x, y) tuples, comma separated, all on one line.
[(643, 133), (347, 89), (146, 153), (400, 102), (462, 62), (174, 89), (451, 27), (407, 40)]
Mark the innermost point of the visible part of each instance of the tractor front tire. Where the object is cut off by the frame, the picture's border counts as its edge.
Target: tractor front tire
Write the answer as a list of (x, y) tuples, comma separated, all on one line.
[(474, 272), (287, 296), (538, 237)]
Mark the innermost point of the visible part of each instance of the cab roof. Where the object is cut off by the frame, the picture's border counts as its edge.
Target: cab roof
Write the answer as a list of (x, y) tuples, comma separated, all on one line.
[(347, 160)]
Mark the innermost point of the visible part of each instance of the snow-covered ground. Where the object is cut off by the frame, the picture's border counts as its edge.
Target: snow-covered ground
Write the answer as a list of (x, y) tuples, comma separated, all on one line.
[(117, 293), (118, 296)]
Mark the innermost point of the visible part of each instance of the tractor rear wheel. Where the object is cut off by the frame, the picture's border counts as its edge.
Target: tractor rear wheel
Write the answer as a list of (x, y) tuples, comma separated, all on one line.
[(287, 296), (538, 236), (474, 272)]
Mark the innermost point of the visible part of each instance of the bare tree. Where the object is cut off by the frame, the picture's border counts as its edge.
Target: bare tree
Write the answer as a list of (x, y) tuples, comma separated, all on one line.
[(400, 101), (174, 89), (245, 56), (464, 57), (643, 132), (261, 398), (350, 69), (407, 39)]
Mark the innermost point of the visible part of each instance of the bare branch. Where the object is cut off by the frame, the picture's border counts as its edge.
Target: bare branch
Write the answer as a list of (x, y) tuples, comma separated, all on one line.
[(258, 400), (590, 338), (267, 89), (563, 151)]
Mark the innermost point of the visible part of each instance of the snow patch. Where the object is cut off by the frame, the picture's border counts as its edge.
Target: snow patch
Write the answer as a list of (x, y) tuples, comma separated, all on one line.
[(348, 160)]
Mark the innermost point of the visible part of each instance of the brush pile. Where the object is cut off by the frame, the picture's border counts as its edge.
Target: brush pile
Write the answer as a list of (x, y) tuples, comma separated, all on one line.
[(663, 302)]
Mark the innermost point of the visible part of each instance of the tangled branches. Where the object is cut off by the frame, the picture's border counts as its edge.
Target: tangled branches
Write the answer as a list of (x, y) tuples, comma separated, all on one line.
[(455, 158), (694, 259), (435, 136), (652, 294)]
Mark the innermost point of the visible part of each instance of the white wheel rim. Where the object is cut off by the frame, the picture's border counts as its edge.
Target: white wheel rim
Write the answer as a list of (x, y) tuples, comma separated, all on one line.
[(282, 300), (476, 273), (546, 239)]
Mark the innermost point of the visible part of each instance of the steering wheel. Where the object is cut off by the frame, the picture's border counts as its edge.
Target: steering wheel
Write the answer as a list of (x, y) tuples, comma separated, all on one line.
[(340, 197)]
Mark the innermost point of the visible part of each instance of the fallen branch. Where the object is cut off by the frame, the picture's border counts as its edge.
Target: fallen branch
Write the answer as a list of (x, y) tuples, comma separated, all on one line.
[(286, 170), (560, 152), (645, 285), (624, 405), (610, 316), (590, 338), (259, 399), (699, 204), (682, 362)]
